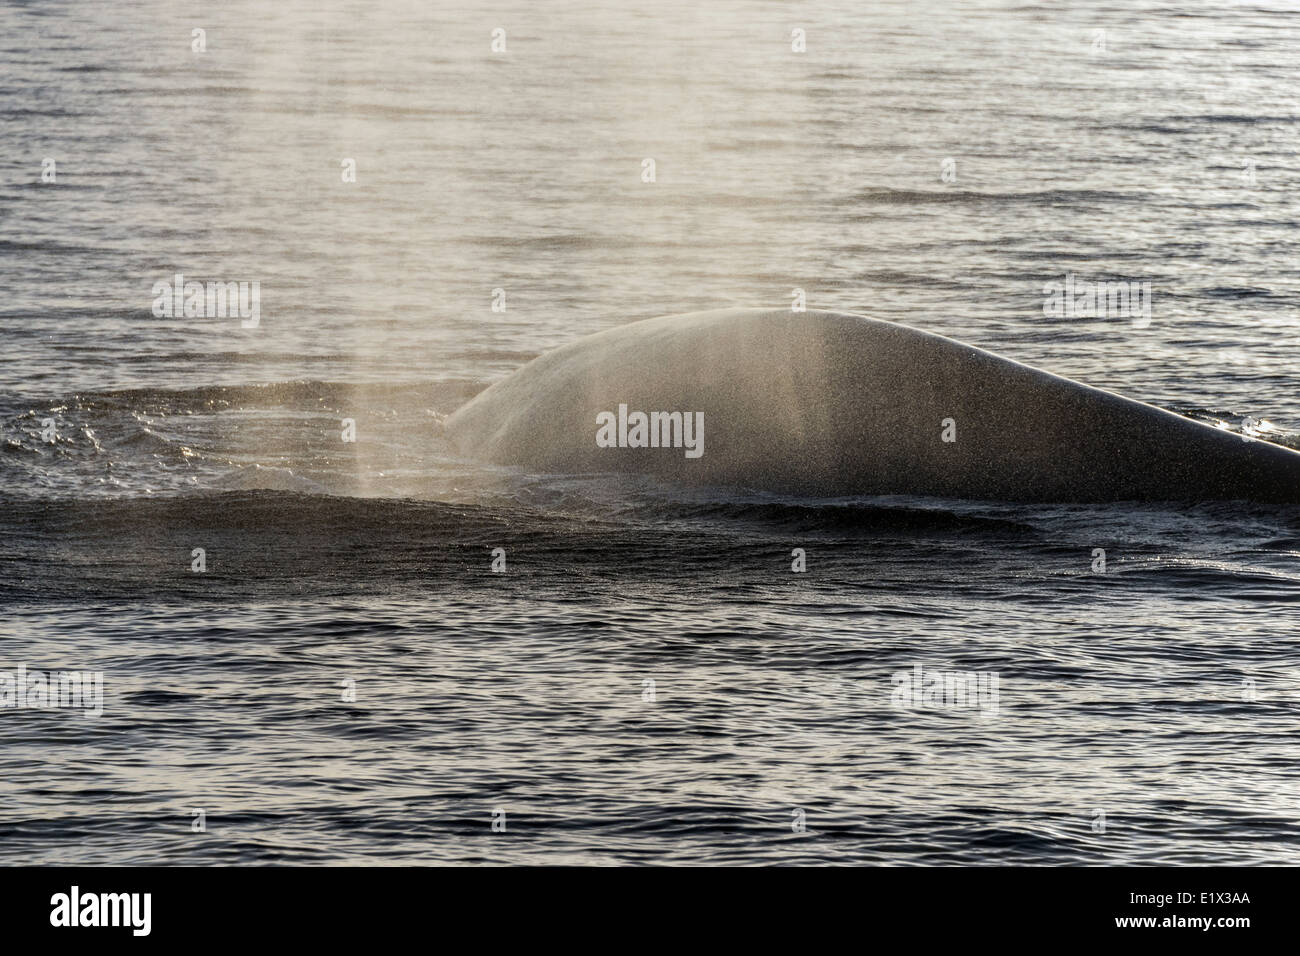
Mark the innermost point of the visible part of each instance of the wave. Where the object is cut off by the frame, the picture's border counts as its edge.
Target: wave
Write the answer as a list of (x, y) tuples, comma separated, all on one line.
[(882, 195), (276, 546), (294, 394)]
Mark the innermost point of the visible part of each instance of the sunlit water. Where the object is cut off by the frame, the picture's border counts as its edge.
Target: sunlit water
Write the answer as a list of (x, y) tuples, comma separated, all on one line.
[(1161, 691)]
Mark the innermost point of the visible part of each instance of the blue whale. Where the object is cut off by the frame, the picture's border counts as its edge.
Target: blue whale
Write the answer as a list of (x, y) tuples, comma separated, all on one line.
[(833, 404)]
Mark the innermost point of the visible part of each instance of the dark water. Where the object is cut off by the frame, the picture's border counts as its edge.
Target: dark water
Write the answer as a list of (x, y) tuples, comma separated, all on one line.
[(1161, 691)]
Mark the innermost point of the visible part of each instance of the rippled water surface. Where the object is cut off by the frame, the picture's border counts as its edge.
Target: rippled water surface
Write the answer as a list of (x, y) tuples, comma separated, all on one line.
[(648, 681)]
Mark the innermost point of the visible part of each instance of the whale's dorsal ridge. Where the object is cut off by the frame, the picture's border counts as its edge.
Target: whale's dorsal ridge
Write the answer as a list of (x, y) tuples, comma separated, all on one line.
[(840, 403)]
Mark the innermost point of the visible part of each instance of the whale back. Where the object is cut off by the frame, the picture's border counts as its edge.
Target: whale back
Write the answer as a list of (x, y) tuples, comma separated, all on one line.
[(830, 404)]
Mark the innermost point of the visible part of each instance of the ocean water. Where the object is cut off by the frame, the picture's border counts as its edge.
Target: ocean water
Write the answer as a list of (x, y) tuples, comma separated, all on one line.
[(648, 681)]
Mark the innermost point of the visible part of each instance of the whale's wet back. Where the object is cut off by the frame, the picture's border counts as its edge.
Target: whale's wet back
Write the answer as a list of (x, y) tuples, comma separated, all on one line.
[(831, 404)]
